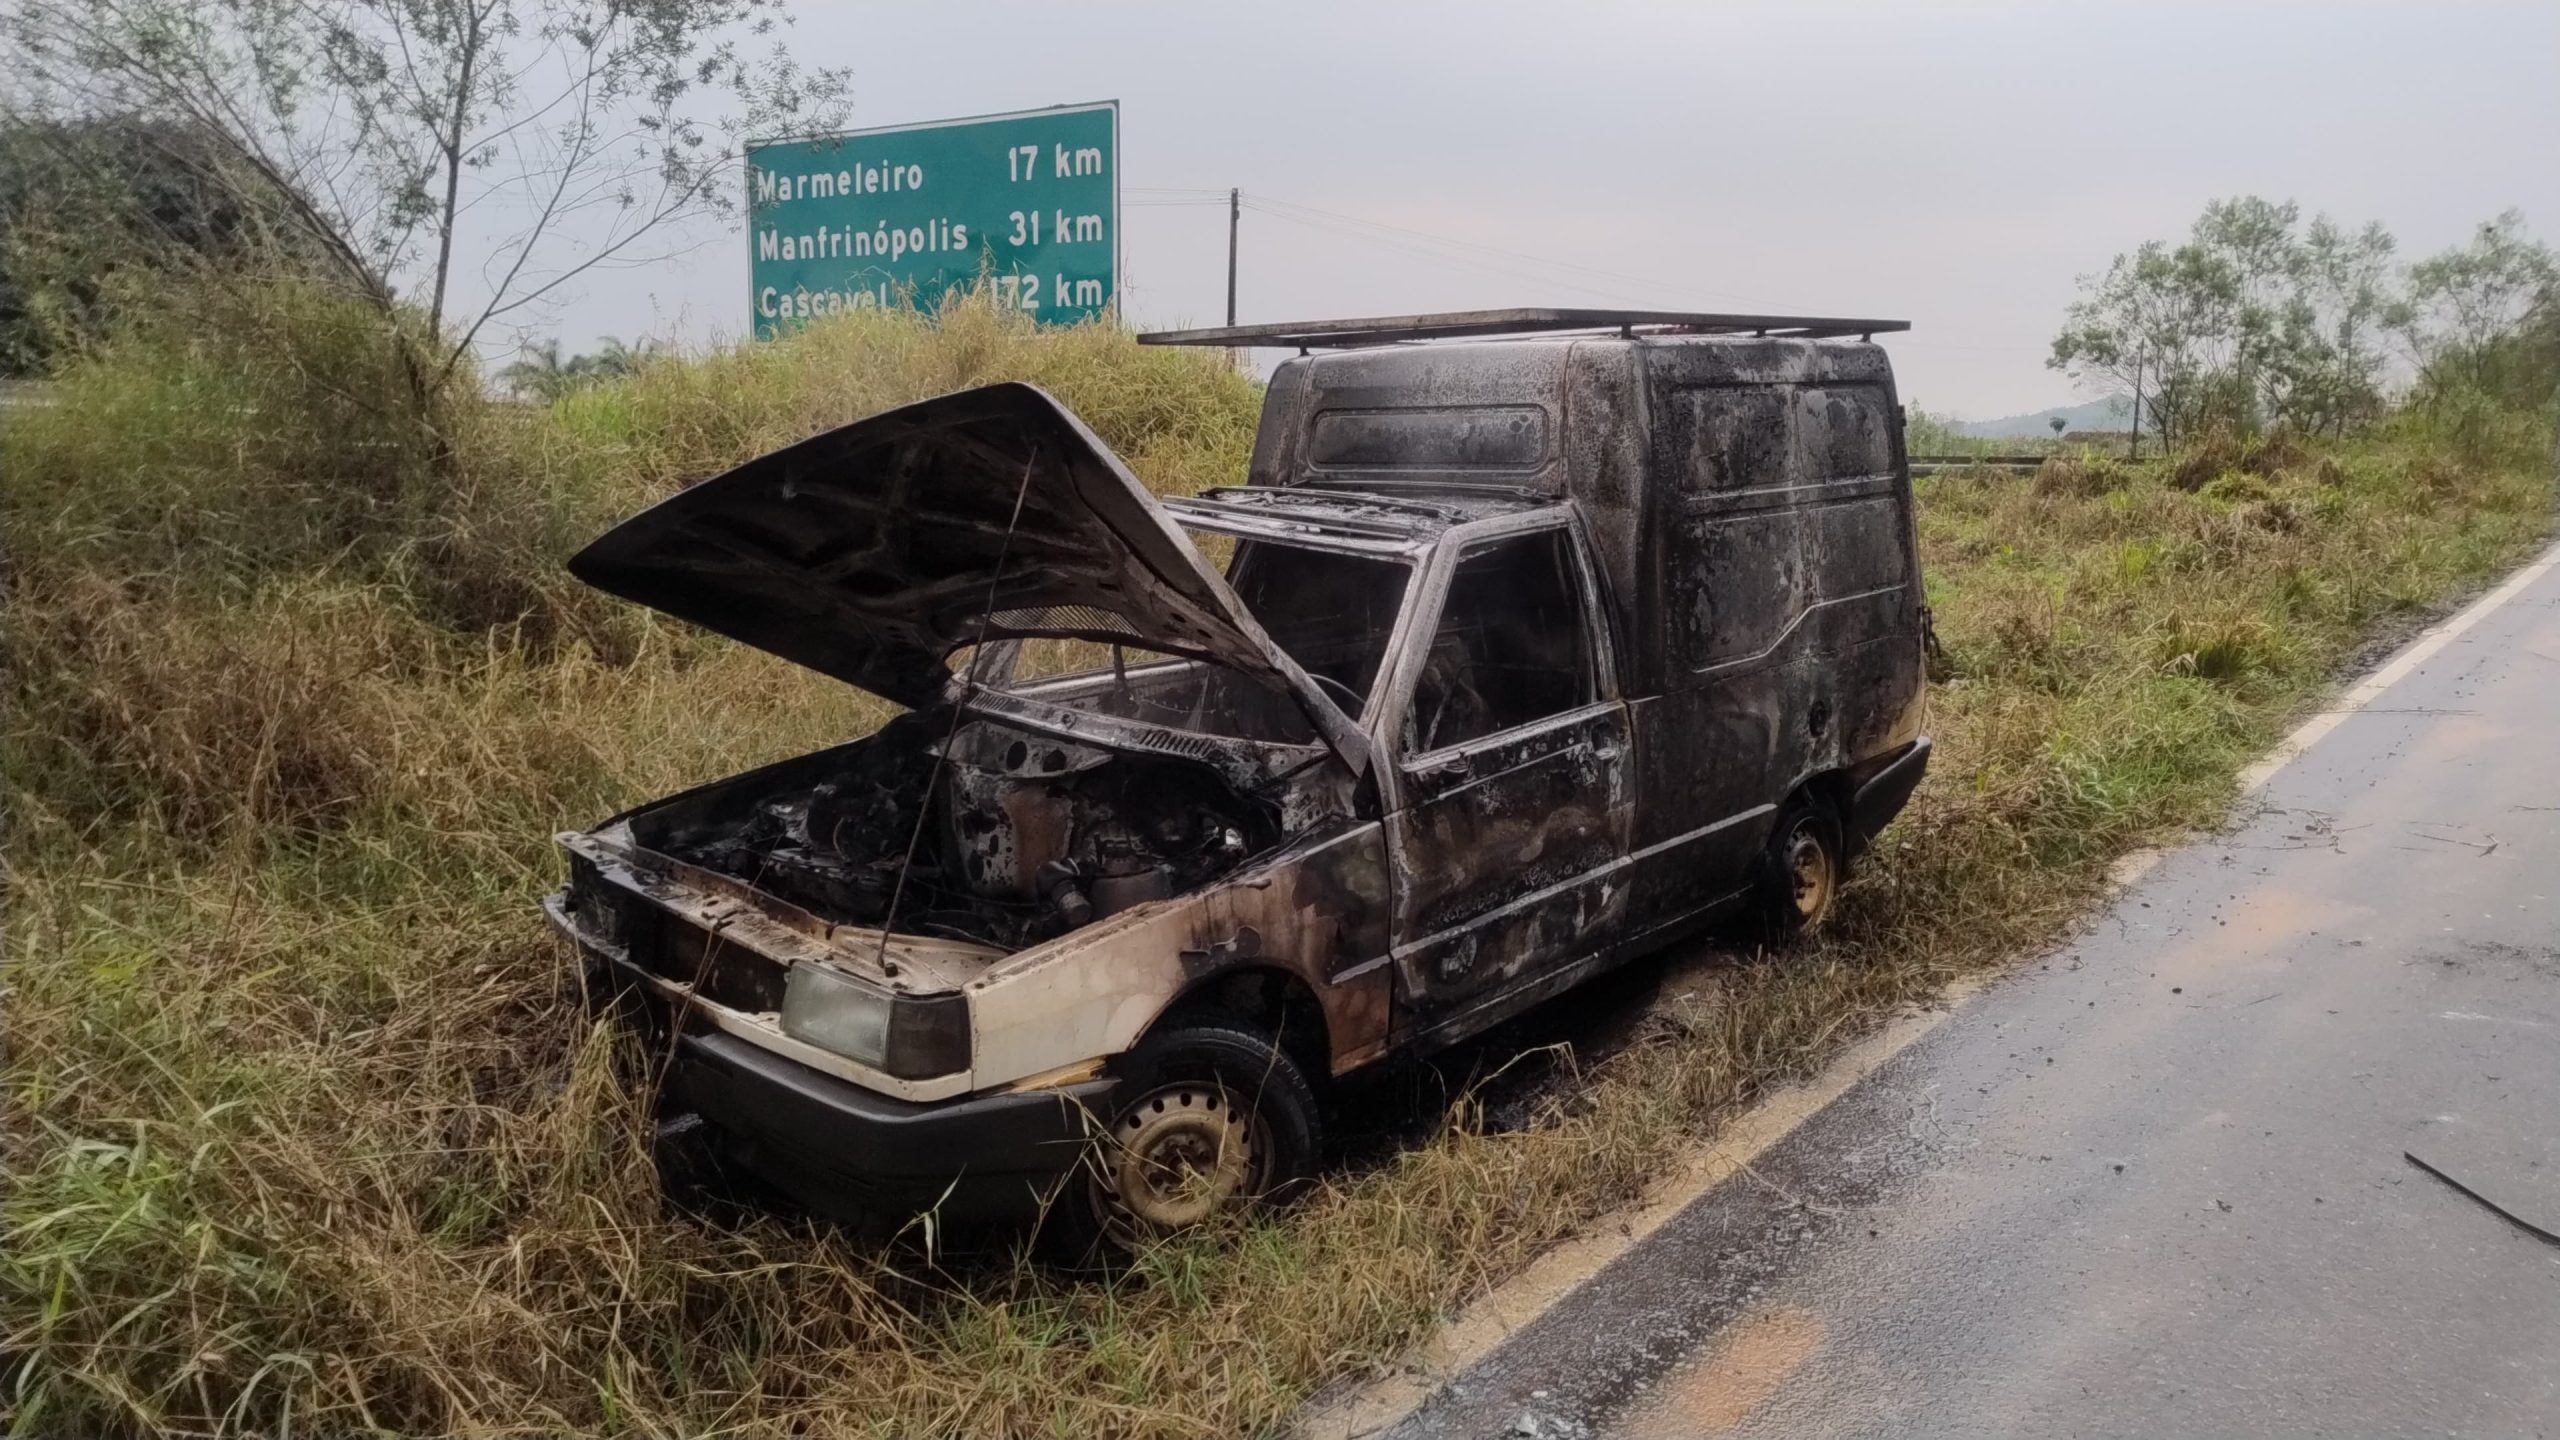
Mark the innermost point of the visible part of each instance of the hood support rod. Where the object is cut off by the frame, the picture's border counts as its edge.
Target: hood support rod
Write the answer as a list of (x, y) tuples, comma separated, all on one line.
[(959, 711)]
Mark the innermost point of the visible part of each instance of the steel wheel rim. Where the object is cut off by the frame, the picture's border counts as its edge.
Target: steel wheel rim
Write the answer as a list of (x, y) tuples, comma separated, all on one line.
[(1177, 1157), (1810, 875)]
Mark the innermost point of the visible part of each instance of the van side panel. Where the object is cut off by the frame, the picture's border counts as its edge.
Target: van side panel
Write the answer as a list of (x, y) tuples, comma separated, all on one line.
[(1786, 599), (1607, 465)]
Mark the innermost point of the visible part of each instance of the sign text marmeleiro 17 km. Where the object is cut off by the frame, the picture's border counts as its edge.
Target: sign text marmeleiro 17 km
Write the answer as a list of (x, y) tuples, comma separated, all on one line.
[(904, 213)]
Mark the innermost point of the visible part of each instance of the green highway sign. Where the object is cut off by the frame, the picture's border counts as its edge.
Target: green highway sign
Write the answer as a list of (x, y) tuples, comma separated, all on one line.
[(1031, 201)]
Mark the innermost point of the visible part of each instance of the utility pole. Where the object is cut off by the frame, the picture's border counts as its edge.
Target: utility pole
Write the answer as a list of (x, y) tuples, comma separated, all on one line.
[(2134, 451), (1235, 212)]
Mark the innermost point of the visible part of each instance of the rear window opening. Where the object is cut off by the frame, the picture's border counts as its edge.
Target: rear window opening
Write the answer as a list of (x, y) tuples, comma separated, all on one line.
[(1479, 437)]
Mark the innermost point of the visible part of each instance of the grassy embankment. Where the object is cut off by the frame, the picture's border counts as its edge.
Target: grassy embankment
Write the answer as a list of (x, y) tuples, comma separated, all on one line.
[(305, 1137)]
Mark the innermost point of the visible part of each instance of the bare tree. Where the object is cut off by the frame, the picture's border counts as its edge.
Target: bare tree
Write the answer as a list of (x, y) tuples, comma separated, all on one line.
[(441, 149)]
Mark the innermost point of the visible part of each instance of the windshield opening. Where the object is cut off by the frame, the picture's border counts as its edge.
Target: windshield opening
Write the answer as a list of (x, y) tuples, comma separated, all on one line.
[(1330, 611)]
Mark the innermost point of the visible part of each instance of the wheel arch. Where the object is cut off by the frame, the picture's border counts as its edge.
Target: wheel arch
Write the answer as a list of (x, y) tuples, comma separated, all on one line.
[(1273, 998), (1836, 790)]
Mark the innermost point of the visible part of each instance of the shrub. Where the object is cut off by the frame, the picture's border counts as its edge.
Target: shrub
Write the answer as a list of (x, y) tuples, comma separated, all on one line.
[(2225, 649), (2206, 460), (2079, 476), (228, 430)]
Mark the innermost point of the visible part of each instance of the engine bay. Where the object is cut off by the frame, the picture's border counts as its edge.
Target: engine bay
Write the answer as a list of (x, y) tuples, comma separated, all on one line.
[(1016, 837)]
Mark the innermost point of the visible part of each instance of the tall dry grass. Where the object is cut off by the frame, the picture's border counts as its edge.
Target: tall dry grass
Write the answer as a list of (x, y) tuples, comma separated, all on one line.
[(306, 1134)]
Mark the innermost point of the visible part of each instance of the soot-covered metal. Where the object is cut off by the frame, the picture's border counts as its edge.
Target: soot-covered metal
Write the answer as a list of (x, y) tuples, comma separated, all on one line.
[(1515, 658)]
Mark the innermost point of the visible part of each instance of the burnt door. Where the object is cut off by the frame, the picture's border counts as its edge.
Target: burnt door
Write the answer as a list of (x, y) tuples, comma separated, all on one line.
[(1509, 844)]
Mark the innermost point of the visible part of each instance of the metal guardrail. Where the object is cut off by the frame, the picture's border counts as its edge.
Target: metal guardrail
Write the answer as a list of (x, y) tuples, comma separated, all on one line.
[(1933, 464)]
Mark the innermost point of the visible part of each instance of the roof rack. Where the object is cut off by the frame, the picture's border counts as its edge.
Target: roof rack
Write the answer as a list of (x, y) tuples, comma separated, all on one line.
[(1462, 324)]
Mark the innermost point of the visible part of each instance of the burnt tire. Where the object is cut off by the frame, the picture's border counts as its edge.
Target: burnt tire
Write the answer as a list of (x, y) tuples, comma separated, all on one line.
[(1801, 869), (1211, 1121)]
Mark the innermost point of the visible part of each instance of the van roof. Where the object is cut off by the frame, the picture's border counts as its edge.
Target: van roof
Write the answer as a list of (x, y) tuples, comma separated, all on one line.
[(1306, 335)]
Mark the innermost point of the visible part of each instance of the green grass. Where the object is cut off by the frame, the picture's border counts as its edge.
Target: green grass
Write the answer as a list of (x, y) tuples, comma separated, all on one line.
[(308, 1136)]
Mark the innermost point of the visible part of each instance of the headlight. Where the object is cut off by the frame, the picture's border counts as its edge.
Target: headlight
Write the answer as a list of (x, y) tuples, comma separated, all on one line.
[(836, 1012), (911, 1037)]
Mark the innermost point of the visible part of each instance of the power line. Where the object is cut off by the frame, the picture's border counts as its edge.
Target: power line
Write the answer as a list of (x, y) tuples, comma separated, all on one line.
[(1419, 242), (1651, 283), (1427, 245), (1493, 259), (1426, 251)]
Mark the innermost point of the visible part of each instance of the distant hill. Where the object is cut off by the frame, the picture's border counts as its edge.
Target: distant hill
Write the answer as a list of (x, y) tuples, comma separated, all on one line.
[(2107, 413)]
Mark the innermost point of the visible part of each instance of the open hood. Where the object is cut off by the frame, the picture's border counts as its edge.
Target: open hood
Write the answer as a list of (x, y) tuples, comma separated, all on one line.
[(873, 551)]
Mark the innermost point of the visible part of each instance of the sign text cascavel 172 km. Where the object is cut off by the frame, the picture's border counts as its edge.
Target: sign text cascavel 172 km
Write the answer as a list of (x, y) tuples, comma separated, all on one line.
[(874, 217)]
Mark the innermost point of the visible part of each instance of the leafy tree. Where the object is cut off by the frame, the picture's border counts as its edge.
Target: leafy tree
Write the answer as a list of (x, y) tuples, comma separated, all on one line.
[(539, 373), (2252, 318), (2346, 299), (2478, 314), (2150, 324), (542, 374), (587, 131), (613, 360)]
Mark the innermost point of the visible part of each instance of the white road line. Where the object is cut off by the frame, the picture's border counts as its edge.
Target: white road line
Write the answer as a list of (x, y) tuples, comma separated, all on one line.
[(2411, 656), (1466, 1337), (1483, 1323)]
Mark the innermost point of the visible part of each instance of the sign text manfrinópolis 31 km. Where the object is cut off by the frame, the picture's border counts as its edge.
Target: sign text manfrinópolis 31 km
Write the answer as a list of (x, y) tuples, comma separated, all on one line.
[(874, 217)]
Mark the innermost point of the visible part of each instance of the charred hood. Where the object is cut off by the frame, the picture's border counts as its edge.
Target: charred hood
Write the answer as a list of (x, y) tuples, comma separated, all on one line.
[(874, 551)]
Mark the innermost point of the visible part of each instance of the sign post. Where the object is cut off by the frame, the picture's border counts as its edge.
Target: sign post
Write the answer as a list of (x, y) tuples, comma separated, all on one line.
[(903, 214)]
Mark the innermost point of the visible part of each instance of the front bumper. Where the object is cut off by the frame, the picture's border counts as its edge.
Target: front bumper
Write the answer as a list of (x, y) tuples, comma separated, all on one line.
[(853, 1154), (842, 1149)]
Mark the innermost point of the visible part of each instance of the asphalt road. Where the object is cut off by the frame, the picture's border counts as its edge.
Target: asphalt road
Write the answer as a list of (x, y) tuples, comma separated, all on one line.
[(2155, 1183)]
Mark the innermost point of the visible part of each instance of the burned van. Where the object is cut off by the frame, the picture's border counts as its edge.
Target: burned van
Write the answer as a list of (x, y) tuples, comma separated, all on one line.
[(1535, 640)]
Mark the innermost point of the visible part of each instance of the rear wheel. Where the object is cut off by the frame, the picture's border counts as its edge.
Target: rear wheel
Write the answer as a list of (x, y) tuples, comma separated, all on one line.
[(1802, 870), (1217, 1119)]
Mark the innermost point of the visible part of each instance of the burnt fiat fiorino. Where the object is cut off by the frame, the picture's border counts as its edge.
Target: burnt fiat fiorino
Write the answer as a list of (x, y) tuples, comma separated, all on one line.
[(1537, 639)]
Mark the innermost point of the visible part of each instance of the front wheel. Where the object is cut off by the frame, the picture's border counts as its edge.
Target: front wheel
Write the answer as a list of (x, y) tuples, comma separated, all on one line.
[(1802, 870), (1216, 1119)]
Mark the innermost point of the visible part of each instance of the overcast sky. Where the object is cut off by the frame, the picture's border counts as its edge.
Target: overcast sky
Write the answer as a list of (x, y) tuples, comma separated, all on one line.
[(1957, 166)]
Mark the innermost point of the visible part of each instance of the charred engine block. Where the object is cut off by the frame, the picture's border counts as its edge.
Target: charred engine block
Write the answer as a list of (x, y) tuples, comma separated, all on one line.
[(1082, 833), (1015, 837)]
